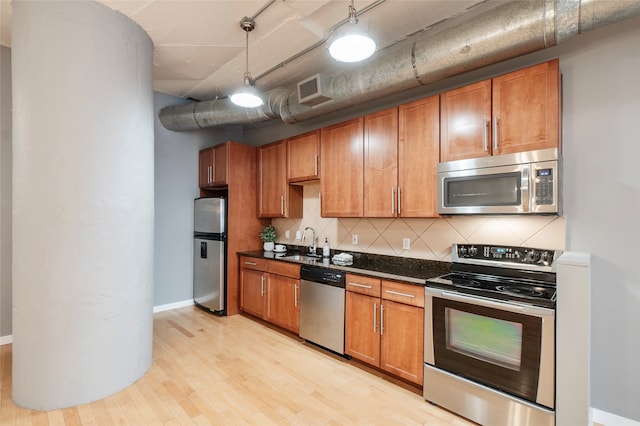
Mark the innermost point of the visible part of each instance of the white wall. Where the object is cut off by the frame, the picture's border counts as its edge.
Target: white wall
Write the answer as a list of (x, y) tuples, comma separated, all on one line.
[(602, 187), (5, 194)]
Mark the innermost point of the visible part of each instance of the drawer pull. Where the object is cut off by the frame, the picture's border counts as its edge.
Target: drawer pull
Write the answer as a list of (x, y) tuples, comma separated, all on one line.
[(397, 293), (359, 285), (250, 263)]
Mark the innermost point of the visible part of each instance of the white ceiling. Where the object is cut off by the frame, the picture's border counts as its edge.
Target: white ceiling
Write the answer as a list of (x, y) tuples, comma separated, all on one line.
[(200, 48)]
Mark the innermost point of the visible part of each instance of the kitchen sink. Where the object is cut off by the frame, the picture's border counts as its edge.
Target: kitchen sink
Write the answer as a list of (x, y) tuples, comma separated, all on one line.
[(303, 258)]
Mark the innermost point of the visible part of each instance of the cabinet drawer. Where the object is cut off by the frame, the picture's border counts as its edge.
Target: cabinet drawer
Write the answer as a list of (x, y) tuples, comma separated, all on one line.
[(283, 268), (403, 293), (253, 263), (363, 285)]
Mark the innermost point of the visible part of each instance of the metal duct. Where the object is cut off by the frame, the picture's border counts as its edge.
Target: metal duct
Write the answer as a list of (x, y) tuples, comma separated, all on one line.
[(513, 29)]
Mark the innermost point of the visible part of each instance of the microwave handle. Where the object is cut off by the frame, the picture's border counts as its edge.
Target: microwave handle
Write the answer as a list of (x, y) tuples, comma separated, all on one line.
[(525, 186)]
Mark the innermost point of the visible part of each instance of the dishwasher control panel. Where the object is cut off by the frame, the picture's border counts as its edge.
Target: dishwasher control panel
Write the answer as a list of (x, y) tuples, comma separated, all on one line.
[(322, 275)]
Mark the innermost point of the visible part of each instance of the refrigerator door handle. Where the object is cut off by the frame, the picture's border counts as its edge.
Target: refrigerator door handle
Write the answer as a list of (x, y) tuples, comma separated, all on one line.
[(203, 250)]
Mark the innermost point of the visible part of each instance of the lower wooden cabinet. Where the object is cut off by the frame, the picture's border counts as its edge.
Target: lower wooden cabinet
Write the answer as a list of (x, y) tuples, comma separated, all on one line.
[(386, 331), (270, 290)]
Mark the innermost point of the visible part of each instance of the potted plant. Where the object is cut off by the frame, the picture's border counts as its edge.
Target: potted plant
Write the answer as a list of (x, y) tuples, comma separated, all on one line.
[(269, 237)]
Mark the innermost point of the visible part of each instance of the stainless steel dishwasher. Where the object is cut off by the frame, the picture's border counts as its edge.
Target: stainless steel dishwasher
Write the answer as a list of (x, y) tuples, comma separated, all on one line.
[(322, 296)]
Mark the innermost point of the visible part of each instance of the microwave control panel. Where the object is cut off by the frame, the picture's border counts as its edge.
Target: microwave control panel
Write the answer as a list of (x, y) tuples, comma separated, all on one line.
[(544, 186)]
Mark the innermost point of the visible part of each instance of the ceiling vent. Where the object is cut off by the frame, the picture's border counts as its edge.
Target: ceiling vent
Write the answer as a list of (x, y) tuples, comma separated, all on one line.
[(314, 90)]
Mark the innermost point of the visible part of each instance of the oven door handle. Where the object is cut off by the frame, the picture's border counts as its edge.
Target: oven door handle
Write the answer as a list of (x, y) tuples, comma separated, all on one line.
[(482, 301)]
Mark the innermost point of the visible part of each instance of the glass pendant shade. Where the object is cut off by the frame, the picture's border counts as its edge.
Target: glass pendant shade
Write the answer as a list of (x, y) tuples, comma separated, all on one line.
[(351, 43), (352, 46), (247, 96)]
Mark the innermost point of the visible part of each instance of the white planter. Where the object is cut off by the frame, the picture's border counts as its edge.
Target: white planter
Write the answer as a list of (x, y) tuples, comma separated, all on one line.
[(268, 246)]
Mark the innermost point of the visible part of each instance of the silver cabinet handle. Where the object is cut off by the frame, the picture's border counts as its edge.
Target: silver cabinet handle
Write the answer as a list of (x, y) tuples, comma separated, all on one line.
[(397, 293), (315, 164), (398, 201), (282, 205), (381, 320), (250, 263), (359, 285), (295, 295), (262, 285), (393, 200), (486, 136), (375, 317), (495, 134)]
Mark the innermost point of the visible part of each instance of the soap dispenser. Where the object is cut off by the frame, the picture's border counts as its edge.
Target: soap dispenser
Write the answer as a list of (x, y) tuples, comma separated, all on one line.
[(326, 252)]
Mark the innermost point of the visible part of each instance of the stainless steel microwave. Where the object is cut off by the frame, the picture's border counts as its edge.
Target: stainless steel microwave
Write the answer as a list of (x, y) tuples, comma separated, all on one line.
[(521, 183)]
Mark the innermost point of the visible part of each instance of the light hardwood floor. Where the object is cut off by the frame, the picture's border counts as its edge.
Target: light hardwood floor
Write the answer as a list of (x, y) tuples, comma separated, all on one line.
[(236, 371)]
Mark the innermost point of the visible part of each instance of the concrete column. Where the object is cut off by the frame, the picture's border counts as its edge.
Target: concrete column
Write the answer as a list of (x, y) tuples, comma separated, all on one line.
[(82, 202)]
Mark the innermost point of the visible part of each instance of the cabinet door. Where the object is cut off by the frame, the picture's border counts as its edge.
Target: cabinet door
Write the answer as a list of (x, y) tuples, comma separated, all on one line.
[(402, 340), (381, 163), (276, 198), (272, 175), (362, 333), (341, 169), (304, 152), (418, 156), (205, 167), (283, 302), (526, 109), (220, 165), (465, 122), (252, 292)]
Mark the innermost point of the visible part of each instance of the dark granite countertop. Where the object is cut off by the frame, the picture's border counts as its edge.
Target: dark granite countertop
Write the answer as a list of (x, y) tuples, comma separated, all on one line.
[(406, 269)]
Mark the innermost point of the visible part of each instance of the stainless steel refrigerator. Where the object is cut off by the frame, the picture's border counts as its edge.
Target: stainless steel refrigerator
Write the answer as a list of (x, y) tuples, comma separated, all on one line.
[(210, 254)]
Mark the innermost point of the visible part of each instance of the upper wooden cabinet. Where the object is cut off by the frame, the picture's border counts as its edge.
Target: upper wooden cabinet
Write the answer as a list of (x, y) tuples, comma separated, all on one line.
[(381, 163), (276, 198), (304, 156), (213, 166), (418, 155), (515, 112), (341, 169)]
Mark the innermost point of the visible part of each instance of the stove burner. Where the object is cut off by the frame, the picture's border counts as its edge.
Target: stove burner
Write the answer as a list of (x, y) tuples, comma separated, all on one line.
[(466, 283), (521, 291)]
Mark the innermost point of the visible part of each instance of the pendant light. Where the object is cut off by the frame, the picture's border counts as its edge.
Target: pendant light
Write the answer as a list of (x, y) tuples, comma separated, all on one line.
[(247, 96), (351, 43)]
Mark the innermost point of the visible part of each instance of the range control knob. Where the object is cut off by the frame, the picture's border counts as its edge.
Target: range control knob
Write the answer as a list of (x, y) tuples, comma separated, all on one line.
[(473, 250), (545, 258), (462, 251), (531, 256)]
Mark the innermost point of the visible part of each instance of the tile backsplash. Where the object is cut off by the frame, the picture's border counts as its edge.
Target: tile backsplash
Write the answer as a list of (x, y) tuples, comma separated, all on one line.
[(429, 238)]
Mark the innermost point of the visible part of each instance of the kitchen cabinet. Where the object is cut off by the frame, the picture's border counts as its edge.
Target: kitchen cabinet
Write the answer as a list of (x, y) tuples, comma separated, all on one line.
[(303, 157), (253, 286), (270, 290), (341, 169), (384, 325), (381, 163), (283, 295), (276, 198), (514, 112), (213, 163)]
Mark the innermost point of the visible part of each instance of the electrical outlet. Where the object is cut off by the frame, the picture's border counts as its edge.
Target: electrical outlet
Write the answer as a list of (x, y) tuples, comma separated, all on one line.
[(406, 243), (287, 234), (298, 235), (354, 239)]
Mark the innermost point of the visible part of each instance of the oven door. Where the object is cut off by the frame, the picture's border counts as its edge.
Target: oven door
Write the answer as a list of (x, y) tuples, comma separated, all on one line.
[(505, 346)]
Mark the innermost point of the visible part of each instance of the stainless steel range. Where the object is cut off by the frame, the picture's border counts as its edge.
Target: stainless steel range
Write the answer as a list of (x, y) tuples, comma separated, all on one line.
[(490, 335)]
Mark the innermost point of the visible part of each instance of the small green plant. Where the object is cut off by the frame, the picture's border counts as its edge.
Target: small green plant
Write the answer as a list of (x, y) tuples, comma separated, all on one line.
[(268, 234)]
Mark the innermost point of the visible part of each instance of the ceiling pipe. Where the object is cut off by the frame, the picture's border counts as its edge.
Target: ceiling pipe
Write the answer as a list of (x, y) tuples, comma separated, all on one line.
[(513, 29)]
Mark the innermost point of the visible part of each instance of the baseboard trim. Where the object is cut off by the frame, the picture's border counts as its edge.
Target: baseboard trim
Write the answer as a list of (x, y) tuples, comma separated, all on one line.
[(6, 340), (170, 306), (609, 419)]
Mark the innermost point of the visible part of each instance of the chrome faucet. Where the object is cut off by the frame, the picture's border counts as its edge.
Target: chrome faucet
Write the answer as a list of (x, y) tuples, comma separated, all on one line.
[(312, 246)]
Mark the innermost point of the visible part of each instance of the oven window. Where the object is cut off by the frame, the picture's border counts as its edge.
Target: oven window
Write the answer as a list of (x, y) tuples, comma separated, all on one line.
[(488, 339), (501, 189)]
